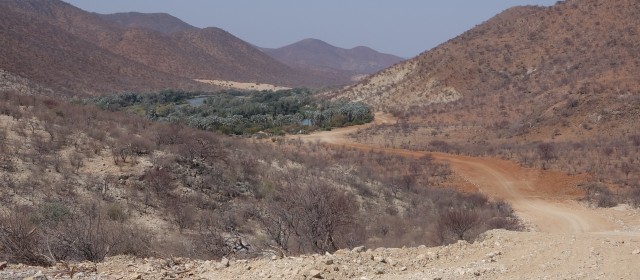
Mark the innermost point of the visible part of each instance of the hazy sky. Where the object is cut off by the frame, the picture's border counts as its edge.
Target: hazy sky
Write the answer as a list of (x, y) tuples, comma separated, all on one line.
[(405, 28)]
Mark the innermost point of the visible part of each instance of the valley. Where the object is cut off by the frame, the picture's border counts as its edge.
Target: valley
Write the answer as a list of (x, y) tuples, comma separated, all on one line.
[(139, 146)]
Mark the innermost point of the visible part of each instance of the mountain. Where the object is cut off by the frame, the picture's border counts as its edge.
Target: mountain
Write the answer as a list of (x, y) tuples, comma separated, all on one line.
[(160, 22), (49, 56), (574, 64), (319, 55), (67, 49)]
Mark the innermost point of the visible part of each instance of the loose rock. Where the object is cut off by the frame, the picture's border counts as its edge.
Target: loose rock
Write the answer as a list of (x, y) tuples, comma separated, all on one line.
[(223, 263), (358, 249), (314, 273), (38, 276)]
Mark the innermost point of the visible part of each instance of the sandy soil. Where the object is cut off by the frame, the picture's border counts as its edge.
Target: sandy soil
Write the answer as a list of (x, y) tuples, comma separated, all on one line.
[(242, 86)]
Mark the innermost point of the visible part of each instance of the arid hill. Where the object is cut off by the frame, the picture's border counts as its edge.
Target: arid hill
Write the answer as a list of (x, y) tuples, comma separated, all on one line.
[(49, 56), (575, 61), (319, 55), (161, 22), (60, 46)]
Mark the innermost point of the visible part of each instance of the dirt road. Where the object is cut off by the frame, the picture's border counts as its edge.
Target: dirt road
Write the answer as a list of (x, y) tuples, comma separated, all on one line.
[(544, 199)]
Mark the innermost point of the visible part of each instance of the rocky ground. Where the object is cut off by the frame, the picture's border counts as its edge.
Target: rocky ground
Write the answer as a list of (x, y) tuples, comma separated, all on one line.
[(498, 254)]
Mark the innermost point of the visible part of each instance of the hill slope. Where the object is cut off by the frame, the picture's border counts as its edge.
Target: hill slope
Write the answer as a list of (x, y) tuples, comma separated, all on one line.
[(576, 60), (48, 55), (316, 54), (160, 22), (116, 54)]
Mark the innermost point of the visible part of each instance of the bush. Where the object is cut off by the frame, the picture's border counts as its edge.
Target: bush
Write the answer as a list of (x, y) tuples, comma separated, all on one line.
[(600, 195), (458, 222), (634, 197), (20, 239)]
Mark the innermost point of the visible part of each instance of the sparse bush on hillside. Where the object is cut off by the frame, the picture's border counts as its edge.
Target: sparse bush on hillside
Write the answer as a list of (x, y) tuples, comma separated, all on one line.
[(220, 194)]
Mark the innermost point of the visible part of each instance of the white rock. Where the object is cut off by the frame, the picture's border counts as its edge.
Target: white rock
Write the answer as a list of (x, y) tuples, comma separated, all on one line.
[(314, 273), (636, 252)]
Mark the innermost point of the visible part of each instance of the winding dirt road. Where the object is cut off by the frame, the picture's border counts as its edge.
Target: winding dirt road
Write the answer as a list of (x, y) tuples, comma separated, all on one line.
[(544, 199)]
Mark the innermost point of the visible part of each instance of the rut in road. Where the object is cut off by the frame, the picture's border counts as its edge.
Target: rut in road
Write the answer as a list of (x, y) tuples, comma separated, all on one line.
[(545, 199)]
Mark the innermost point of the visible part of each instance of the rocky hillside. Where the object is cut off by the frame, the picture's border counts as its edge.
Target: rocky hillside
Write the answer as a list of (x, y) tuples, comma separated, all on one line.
[(576, 60), (60, 46), (319, 55)]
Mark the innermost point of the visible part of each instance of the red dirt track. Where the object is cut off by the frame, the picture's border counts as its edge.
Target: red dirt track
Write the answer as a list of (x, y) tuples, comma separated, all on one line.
[(545, 199)]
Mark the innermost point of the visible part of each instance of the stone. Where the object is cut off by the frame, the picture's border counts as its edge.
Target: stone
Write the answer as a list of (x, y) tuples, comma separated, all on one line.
[(378, 270), (314, 273), (380, 259), (223, 263), (328, 261), (636, 252), (404, 268), (494, 254), (3, 265), (274, 257), (136, 276), (358, 249)]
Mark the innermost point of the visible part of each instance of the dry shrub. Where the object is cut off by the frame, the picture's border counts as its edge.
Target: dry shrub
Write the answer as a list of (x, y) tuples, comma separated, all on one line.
[(312, 218), (20, 240), (599, 195), (634, 197), (55, 233), (458, 222)]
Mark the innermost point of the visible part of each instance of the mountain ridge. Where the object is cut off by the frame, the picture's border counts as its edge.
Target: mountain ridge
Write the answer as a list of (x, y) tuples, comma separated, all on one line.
[(315, 53)]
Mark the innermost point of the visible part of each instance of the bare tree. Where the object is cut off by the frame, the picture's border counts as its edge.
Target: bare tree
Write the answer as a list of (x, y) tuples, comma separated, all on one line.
[(319, 215), (547, 152), (458, 221), (158, 179)]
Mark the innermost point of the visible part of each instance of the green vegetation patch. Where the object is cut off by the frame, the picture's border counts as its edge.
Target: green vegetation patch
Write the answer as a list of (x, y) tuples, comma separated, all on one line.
[(243, 113)]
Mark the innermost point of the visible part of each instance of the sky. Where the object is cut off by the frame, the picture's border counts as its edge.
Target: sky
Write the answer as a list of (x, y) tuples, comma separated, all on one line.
[(404, 28)]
